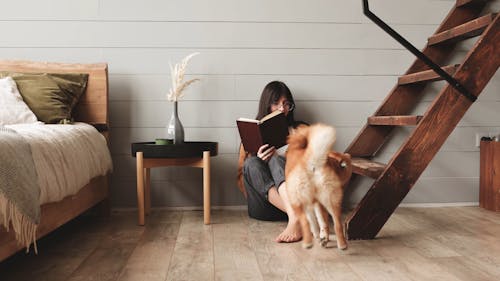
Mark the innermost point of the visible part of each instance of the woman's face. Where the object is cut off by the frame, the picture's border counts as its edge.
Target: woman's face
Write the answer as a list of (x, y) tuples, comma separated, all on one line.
[(283, 105)]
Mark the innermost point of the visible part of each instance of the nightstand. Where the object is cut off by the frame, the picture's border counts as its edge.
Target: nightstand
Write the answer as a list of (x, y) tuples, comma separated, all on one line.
[(190, 154)]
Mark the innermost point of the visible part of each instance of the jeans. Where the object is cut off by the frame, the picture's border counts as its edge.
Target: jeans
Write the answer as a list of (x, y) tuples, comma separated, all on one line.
[(259, 176)]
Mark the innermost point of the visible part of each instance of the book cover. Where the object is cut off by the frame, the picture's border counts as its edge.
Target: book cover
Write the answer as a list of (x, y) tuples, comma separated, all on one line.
[(272, 130)]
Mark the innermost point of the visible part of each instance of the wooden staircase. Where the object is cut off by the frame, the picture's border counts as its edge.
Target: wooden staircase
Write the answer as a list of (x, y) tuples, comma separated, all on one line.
[(395, 179)]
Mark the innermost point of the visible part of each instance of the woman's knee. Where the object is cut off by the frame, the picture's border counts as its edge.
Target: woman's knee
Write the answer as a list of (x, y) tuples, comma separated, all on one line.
[(277, 161), (253, 164)]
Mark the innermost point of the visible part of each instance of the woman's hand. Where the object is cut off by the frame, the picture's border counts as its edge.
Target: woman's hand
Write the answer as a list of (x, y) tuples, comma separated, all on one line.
[(265, 152)]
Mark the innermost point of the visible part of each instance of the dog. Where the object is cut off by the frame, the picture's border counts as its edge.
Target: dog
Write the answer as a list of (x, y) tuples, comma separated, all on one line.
[(315, 177)]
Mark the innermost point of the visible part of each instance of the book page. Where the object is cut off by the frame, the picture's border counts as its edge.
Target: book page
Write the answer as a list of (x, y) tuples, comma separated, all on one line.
[(270, 115), (248, 120)]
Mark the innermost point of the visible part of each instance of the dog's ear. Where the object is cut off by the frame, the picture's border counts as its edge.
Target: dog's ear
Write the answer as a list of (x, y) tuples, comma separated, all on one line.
[(301, 129), (298, 138)]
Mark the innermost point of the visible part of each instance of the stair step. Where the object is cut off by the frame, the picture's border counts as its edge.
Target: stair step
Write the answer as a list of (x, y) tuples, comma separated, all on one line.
[(365, 167), (467, 30), (441, 118), (401, 120), (461, 3), (426, 76)]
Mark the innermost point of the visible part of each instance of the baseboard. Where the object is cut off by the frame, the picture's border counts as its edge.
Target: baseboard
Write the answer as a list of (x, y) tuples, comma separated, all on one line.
[(438, 205), (187, 208), (244, 207), (422, 205)]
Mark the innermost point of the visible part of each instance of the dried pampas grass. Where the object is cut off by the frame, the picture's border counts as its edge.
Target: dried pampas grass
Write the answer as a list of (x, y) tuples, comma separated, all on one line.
[(177, 75)]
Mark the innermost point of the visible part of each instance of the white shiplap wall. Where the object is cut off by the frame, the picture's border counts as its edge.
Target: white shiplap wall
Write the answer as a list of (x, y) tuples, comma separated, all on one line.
[(337, 63)]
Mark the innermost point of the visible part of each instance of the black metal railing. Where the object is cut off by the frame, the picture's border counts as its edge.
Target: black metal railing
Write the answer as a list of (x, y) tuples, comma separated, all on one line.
[(453, 82)]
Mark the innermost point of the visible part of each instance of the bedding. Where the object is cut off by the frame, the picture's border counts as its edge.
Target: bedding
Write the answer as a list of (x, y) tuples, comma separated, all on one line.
[(65, 158), (13, 110), (51, 96), (19, 189)]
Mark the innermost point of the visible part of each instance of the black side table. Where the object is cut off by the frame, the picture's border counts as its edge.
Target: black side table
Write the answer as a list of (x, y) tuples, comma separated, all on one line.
[(190, 154)]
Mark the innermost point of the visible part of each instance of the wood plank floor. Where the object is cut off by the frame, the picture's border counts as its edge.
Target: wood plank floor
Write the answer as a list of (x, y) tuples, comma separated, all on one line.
[(453, 243)]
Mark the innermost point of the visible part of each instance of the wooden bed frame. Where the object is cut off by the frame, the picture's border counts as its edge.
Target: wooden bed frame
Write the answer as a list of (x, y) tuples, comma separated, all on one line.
[(93, 109)]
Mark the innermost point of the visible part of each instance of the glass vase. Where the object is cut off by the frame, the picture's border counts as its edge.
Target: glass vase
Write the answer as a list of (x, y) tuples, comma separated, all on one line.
[(175, 130)]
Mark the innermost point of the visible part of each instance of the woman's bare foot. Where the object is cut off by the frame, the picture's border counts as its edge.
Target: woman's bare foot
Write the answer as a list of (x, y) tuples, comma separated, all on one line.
[(292, 233)]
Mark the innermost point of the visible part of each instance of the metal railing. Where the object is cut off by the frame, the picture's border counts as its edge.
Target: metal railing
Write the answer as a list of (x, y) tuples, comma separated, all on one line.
[(453, 82)]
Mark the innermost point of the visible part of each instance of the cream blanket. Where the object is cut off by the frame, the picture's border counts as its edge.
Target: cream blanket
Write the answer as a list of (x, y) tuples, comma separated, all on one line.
[(19, 189), (66, 157)]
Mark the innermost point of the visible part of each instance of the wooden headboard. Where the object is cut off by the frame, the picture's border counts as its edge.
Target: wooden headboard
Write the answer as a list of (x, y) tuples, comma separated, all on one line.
[(93, 106)]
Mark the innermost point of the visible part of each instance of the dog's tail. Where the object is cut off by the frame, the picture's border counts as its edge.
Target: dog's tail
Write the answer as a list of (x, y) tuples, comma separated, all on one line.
[(320, 142)]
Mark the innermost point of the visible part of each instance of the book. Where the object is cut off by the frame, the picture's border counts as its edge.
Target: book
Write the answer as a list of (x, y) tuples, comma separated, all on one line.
[(272, 129)]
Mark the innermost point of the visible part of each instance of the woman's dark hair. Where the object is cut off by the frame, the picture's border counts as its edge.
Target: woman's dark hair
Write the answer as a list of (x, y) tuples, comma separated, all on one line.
[(272, 92)]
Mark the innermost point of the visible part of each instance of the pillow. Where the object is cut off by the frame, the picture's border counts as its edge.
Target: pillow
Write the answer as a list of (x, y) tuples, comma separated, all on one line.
[(51, 96), (13, 110)]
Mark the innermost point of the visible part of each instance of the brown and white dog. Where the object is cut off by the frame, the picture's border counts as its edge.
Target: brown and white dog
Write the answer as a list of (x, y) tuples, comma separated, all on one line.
[(315, 177)]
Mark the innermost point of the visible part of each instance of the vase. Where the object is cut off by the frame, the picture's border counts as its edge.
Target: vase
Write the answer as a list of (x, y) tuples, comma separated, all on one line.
[(175, 130)]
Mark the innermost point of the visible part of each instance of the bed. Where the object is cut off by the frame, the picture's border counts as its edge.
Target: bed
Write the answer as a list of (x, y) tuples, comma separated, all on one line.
[(90, 111)]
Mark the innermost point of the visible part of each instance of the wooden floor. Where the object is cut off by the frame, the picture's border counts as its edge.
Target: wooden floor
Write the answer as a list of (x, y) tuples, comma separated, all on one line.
[(455, 243)]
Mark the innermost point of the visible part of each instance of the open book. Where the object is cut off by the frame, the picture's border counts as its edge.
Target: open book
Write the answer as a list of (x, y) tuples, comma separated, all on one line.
[(272, 130)]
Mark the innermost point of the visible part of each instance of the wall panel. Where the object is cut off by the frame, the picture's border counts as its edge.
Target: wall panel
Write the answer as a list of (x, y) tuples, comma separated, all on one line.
[(338, 64)]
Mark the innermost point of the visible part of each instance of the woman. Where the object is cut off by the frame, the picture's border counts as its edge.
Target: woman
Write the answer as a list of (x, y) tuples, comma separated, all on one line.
[(261, 177)]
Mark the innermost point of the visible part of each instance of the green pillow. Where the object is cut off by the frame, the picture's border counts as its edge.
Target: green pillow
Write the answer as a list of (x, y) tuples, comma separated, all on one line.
[(51, 96)]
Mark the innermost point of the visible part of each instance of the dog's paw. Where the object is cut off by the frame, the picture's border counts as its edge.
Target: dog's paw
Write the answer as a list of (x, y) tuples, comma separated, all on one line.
[(342, 247), (306, 245), (324, 242)]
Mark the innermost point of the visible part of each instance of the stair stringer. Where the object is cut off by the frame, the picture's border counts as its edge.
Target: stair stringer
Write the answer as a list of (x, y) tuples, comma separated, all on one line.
[(415, 154)]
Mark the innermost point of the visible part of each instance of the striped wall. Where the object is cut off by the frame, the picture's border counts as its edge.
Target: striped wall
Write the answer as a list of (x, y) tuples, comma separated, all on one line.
[(337, 63)]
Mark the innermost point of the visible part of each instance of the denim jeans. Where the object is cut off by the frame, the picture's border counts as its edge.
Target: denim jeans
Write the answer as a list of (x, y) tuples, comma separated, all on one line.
[(260, 176)]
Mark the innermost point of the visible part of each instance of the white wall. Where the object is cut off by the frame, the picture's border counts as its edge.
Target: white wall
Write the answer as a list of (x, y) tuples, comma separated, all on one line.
[(337, 63)]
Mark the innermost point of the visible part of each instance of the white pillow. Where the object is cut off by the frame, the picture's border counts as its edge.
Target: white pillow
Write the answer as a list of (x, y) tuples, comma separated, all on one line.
[(13, 110)]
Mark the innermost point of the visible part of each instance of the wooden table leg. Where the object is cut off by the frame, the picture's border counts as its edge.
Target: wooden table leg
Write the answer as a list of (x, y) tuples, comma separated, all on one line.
[(206, 187), (140, 186), (147, 191)]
